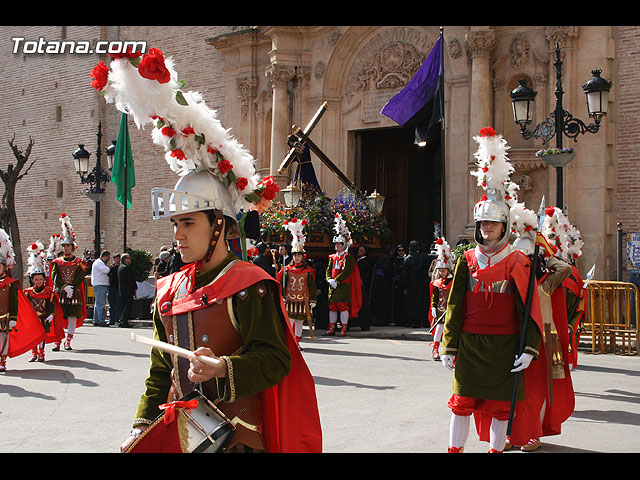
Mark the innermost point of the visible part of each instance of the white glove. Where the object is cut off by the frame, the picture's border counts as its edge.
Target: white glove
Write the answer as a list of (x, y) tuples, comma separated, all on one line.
[(49, 319), (68, 290), (434, 312), (312, 304), (12, 324), (447, 361), (332, 282), (522, 362)]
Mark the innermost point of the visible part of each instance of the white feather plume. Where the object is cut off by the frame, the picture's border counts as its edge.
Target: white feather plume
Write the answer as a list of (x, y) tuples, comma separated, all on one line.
[(36, 258), (298, 238), (443, 252), (494, 167), (341, 229), (6, 250), (174, 114)]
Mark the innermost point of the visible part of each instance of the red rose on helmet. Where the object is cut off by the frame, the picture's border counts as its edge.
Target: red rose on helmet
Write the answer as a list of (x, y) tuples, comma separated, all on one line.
[(99, 74), (168, 131), (242, 183), (270, 188), (179, 154), (152, 66), (224, 166)]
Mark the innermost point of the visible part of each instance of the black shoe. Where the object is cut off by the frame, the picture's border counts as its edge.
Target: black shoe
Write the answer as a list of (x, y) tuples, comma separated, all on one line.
[(56, 348), (124, 325)]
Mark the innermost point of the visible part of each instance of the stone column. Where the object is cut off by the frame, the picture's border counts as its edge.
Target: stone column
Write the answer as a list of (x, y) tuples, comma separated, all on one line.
[(278, 76), (479, 41)]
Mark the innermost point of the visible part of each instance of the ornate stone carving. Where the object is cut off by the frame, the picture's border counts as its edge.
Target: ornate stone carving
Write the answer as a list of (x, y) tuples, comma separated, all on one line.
[(246, 87), (519, 50), (455, 49), (480, 42), (388, 61), (334, 36), (560, 35), (278, 75), (321, 68)]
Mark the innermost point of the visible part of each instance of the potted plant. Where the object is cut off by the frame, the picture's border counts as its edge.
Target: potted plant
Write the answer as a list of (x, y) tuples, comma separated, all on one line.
[(557, 157), (94, 193)]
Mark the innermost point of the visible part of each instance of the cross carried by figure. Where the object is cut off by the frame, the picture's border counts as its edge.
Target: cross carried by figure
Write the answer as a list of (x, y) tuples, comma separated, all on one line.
[(300, 138)]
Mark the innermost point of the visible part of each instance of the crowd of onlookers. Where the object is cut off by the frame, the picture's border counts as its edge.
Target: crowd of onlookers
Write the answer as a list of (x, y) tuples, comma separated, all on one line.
[(395, 282)]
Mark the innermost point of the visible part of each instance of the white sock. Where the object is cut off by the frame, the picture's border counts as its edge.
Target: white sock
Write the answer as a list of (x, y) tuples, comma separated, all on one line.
[(344, 317), (298, 328), (543, 409), (333, 316), (498, 434), (459, 430), (71, 328), (437, 337)]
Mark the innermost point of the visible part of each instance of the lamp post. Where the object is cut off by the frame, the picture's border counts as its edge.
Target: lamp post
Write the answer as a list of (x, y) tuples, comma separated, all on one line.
[(560, 122), (95, 178)]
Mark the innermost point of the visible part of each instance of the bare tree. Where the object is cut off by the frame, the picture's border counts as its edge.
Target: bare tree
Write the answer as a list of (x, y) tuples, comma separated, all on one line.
[(8, 217)]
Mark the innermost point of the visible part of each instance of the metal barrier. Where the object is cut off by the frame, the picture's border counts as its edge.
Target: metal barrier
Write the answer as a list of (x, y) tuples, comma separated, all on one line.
[(609, 319)]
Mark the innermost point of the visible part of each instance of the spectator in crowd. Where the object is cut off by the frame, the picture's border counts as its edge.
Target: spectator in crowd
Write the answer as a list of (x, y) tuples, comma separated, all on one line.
[(127, 285), (415, 279), (284, 257), (114, 290), (399, 300), (381, 298), (175, 262), (264, 259), (100, 283), (163, 267), (365, 264)]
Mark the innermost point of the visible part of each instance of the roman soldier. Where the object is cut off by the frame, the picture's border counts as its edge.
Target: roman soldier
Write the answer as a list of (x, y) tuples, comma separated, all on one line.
[(299, 281), (485, 311), (44, 300), (439, 292), (67, 275), (343, 277), (218, 306), (20, 328)]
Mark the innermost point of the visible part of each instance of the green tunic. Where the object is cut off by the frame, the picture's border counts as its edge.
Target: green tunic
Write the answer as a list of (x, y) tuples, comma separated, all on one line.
[(264, 363), (342, 293), (483, 362)]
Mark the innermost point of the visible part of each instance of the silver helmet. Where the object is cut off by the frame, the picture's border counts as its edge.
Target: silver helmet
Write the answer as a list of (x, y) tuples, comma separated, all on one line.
[(194, 192), (491, 209)]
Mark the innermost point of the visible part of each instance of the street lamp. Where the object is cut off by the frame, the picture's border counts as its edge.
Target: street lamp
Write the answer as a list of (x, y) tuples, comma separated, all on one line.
[(95, 178), (560, 121), (291, 196), (110, 151)]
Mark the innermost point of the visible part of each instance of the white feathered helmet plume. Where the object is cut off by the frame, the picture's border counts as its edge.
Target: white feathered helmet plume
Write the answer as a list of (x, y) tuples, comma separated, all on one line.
[(54, 246), (343, 234), (193, 138), (493, 172), (36, 259), (562, 235), (444, 255), (6, 250), (298, 238), (524, 224), (67, 237)]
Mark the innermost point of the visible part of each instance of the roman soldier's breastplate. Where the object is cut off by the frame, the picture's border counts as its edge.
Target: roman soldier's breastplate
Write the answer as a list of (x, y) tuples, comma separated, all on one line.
[(297, 293), (40, 305), (214, 327), (443, 298), (67, 276)]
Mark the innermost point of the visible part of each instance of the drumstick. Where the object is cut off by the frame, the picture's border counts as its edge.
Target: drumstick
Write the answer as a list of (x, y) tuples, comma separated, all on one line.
[(168, 348)]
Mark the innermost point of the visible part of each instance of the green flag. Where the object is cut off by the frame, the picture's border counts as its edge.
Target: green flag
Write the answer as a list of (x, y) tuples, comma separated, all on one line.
[(122, 174)]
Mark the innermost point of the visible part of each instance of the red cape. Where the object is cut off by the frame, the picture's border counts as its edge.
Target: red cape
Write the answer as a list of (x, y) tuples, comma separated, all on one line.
[(356, 288), (575, 283), (517, 266), (291, 417), (28, 332), (56, 332)]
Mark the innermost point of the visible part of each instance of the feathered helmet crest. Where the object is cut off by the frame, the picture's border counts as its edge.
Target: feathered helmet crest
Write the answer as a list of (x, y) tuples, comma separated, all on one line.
[(343, 234), (54, 246), (67, 237), (193, 138), (493, 172), (36, 259), (6, 250), (444, 256), (561, 234), (298, 238)]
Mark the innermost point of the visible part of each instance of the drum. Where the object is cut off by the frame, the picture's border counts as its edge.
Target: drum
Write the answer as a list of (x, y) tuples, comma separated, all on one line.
[(201, 429)]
